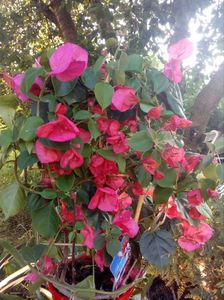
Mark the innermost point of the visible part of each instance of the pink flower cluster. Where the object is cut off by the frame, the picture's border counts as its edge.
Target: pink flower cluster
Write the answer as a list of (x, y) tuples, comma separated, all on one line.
[(177, 53), (193, 237), (68, 62), (16, 82), (109, 196), (60, 130), (85, 150), (172, 124)]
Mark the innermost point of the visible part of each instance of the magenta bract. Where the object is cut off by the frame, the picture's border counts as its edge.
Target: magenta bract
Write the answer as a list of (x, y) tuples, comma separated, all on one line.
[(16, 82), (68, 62), (71, 159), (124, 98), (60, 130), (194, 237), (45, 154), (126, 223), (104, 199), (181, 50)]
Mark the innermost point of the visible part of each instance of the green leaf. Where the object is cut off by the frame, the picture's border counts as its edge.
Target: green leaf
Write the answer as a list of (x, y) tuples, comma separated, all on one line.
[(82, 115), (103, 92), (65, 183), (48, 194), (115, 231), (134, 63), (219, 144), (140, 141), (170, 177), (135, 83), (93, 129), (8, 105), (29, 128), (99, 242), (86, 151), (175, 105), (119, 77), (123, 61), (144, 178), (205, 210), (145, 107), (220, 172), (45, 221), (87, 283), (161, 195), (160, 81), (32, 254), (12, 199), (25, 160), (78, 94), (79, 238), (89, 78), (29, 147), (163, 138), (105, 225), (6, 138), (13, 251), (63, 88), (82, 197), (9, 100), (206, 161), (28, 80), (48, 98), (210, 172), (99, 63), (157, 247), (79, 225), (110, 155), (113, 247), (35, 202)]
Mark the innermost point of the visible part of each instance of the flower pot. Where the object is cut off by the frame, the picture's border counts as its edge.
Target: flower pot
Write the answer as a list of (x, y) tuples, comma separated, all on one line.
[(58, 294)]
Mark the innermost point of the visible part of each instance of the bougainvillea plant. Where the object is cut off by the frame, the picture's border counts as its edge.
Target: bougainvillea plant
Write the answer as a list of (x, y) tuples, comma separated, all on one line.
[(99, 157)]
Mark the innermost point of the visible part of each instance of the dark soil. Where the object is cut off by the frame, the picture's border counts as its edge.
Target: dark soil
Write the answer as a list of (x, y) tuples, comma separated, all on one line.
[(83, 269)]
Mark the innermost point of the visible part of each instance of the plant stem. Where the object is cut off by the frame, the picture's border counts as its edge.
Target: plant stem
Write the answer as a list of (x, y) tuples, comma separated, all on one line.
[(73, 243), (139, 207), (73, 260), (93, 264), (65, 259), (38, 108), (19, 181)]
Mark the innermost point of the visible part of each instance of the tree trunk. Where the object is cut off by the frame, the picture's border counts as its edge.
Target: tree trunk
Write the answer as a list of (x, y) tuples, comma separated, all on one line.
[(64, 20), (57, 13), (206, 102)]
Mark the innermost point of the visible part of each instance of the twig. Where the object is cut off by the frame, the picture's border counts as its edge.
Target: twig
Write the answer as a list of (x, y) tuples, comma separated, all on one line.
[(139, 207)]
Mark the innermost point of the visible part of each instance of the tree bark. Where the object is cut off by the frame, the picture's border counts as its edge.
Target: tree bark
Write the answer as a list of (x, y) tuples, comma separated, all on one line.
[(65, 23), (45, 10), (57, 13), (206, 102)]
